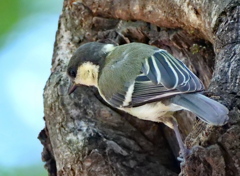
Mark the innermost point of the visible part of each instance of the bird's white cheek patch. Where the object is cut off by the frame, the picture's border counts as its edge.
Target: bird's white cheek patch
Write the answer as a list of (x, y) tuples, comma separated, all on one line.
[(87, 74)]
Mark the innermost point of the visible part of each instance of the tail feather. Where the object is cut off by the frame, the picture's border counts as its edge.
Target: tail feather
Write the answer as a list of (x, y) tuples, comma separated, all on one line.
[(205, 108)]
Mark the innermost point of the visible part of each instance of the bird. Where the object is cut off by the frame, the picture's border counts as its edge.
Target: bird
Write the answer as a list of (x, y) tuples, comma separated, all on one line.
[(144, 81)]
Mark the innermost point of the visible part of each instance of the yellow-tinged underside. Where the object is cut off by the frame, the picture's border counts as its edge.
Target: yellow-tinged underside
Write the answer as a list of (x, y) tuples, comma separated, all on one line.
[(156, 112)]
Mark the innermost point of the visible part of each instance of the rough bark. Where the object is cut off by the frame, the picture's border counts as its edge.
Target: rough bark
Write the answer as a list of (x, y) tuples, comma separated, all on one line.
[(85, 136)]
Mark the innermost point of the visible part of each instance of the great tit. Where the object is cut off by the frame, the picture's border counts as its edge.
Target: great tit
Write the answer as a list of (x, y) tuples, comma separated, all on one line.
[(144, 81)]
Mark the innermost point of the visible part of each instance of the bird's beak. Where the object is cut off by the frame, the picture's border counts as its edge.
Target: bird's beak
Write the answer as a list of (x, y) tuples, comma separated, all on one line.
[(72, 89)]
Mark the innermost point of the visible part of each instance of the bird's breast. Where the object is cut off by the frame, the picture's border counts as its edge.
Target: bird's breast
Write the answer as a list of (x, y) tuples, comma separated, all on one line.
[(155, 111)]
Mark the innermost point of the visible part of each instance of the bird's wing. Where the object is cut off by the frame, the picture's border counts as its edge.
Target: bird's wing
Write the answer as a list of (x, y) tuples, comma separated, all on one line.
[(146, 91), (162, 76), (162, 68)]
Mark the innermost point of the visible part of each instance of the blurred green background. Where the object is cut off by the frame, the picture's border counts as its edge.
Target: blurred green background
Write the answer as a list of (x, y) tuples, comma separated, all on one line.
[(27, 34)]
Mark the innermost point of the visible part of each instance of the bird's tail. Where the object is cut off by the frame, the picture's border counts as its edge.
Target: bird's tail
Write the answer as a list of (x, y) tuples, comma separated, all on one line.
[(205, 108)]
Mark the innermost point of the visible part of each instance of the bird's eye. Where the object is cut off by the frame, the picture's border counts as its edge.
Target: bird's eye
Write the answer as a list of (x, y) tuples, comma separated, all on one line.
[(72, 73)]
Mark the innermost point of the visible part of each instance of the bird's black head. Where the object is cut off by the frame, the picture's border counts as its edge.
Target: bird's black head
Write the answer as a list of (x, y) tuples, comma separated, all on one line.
[(93, 52)]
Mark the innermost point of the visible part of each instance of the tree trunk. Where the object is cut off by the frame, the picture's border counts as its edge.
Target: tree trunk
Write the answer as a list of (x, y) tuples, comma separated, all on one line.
[(85, 136)]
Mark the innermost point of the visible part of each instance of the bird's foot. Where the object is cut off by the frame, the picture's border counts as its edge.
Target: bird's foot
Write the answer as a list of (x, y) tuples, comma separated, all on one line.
[(183, 155)]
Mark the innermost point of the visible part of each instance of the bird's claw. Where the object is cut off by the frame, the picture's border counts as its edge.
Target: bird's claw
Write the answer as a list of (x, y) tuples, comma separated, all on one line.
[(183, 155)]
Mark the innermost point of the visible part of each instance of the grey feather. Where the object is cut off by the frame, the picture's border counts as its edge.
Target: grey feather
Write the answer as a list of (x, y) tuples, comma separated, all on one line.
[(146, 91), (162, 68), (117, 99), (205, 108)]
